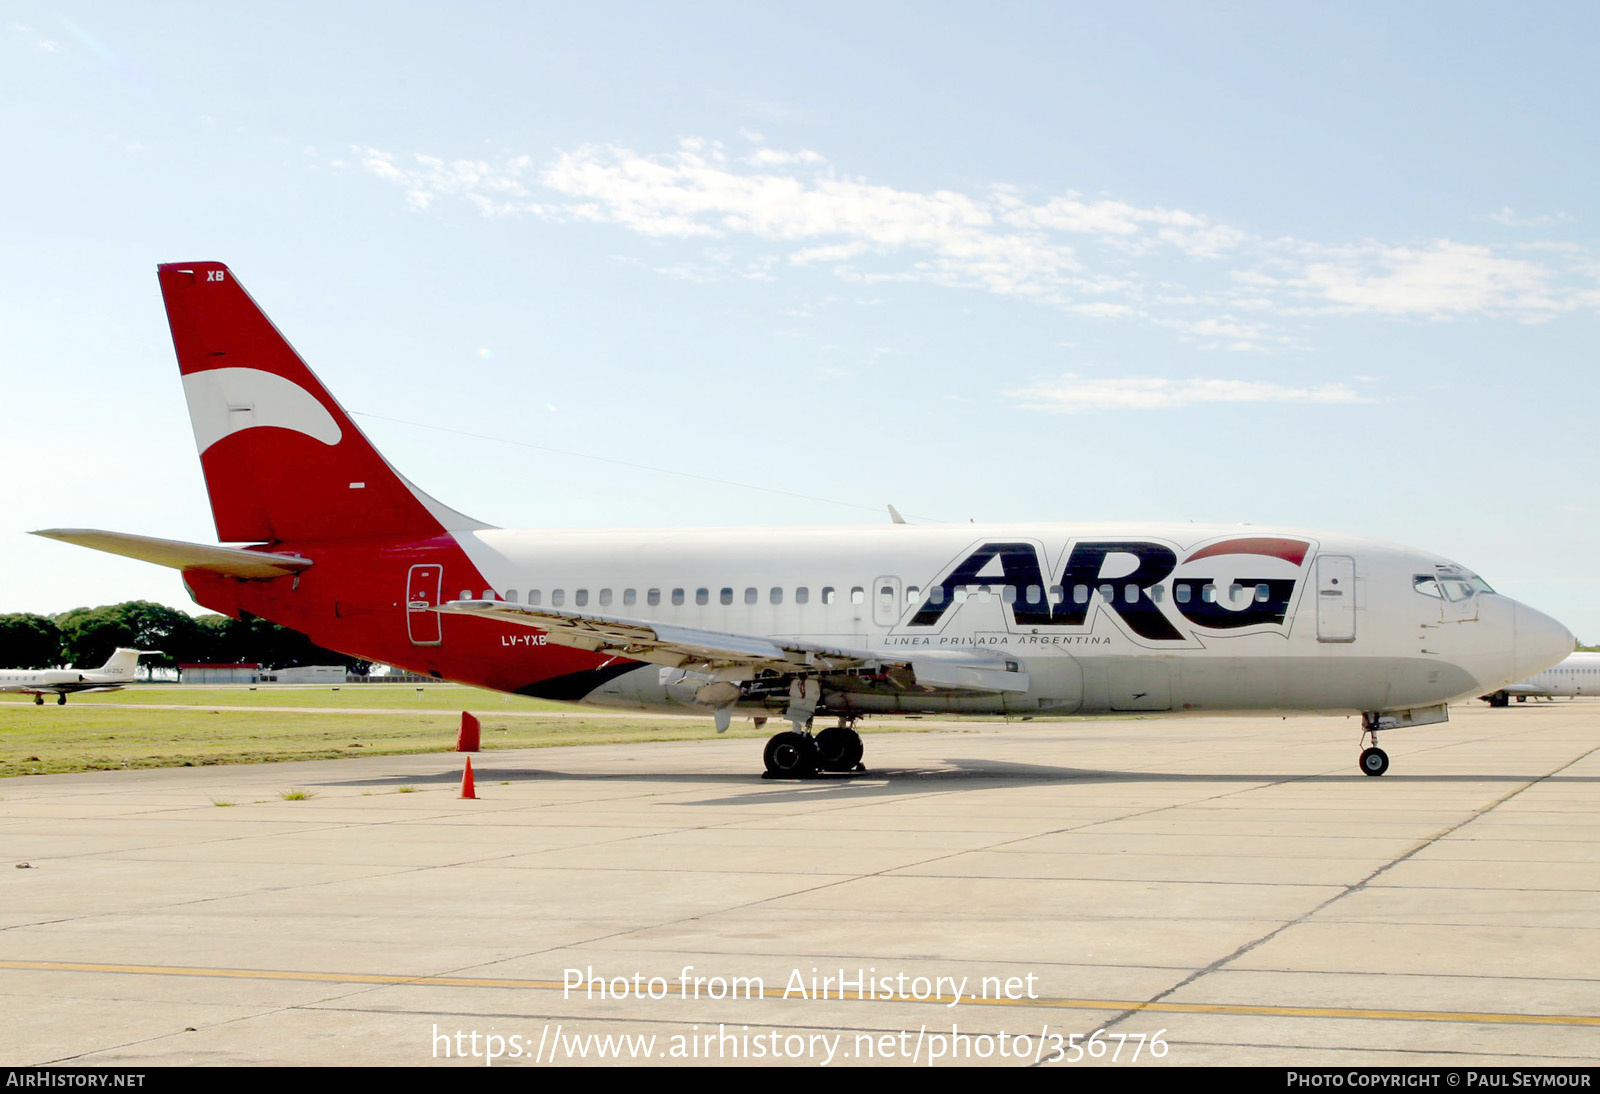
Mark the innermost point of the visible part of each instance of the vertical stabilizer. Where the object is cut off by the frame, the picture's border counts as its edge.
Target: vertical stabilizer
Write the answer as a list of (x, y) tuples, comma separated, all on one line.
[(282, 459)]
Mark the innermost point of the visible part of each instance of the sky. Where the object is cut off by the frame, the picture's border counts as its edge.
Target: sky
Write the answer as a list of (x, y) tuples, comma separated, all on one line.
[(606, 265)]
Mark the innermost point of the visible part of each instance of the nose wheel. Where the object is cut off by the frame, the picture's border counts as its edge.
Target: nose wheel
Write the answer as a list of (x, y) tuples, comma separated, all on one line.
[(1374, 760)]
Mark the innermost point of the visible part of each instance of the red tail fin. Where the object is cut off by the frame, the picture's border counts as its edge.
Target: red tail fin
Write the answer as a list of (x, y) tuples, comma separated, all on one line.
[(282, 459)]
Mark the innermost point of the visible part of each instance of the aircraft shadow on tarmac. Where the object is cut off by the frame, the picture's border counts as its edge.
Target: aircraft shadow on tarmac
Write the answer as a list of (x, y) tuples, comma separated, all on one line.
[(954, 773)]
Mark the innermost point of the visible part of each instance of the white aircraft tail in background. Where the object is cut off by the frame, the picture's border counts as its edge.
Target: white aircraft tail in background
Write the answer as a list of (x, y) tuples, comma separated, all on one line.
[(117, 671)]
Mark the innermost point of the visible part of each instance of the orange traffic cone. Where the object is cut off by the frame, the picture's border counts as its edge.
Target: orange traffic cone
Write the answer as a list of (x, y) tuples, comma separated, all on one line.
[(466, 781)]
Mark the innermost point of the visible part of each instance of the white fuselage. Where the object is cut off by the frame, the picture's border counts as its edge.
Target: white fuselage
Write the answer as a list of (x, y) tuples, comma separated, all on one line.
[(1101, 617)]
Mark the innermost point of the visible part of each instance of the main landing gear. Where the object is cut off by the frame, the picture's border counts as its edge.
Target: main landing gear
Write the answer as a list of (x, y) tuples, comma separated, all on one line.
[(38, 700), (1374, 760), (796, 754)]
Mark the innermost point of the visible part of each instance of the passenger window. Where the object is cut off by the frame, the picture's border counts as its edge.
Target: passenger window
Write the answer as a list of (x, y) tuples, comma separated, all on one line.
[(858, 595), (1158, 593), (630, 597), (581, 597), (677, 596), (1058, 595), (886, 595), (1034, 594), (802, 595), (1080, 594), (533, 597), (750, 596), (827, 594), (558, 597), (1008, 594), (702, 597), (961, 593), (1130, 593), (912, 592), (511, 596), (1108, 593), (1181, 593), (727, 596), (605, 597), (775, 596), (1262, 592), (466, 594), (1208, 593), (1235, 591), (936, 595), (490, 594), (653, 597)]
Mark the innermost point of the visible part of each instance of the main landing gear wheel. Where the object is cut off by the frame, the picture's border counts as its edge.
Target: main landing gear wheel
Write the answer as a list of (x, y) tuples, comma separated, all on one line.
[(839, 748), (61, 700), (790, 756), (38, 700), (1374, 761)]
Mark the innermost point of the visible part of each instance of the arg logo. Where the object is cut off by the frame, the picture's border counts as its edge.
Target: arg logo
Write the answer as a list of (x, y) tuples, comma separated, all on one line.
[(1226, 586)]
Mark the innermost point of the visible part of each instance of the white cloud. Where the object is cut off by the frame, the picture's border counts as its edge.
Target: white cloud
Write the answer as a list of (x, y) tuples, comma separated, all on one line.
[(1098, 257), (1441, 279), (1516, 220), (1072, 394)]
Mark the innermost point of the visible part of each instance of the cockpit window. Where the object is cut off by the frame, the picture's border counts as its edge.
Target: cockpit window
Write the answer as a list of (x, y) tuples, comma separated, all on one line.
[(1427, 585), (1455, 583)]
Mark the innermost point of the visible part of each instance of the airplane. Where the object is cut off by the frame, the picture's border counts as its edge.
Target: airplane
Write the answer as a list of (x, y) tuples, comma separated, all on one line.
[(117, 671), (804, 623), (1578, 675)]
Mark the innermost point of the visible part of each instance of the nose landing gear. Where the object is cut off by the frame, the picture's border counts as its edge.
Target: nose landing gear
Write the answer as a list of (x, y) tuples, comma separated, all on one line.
[(1374, 760)]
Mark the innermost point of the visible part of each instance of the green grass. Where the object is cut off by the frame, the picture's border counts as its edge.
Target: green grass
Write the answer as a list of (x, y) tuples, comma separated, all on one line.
[(134, 727), (408, 697), (109, 730)]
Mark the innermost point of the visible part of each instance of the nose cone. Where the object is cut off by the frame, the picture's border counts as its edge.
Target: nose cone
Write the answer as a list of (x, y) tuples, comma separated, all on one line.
[(1541, 642)]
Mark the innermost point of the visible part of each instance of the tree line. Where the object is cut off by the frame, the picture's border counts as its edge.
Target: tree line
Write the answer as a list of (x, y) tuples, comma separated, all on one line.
[(85, 637)]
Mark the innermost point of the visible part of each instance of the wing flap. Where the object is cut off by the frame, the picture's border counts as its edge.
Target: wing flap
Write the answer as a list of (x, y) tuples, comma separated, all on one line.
[(691, 647), (178, 555)]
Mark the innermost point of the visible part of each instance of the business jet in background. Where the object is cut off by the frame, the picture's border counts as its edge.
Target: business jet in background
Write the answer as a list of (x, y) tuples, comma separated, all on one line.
[(811, 624), (1578, 675), (116, 672)]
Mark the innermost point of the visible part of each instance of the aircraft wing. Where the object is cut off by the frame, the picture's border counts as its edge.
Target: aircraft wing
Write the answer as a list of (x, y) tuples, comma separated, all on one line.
[(713, 651), (231, 561)]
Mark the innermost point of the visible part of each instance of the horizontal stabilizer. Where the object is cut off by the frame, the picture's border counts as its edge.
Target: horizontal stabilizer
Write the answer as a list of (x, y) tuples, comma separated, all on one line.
[(229, 561), (692, 648)]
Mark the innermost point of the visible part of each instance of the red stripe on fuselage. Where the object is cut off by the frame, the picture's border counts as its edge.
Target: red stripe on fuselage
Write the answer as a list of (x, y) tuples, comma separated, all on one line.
[(1292, 551)]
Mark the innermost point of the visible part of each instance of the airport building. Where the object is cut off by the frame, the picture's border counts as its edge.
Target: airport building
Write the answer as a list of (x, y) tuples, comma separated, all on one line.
[(243, 673)]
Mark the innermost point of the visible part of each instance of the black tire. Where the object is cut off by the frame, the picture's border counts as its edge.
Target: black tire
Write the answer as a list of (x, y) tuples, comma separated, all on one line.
[(1374, 761), (61, 700), (790, 756), (839, 749)]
